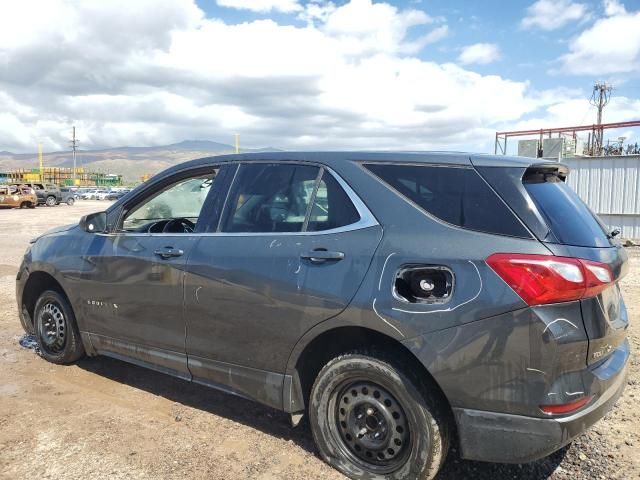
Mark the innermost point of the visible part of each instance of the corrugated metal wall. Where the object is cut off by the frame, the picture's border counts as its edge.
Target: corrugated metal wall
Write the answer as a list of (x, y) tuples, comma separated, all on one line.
[(611, 187)]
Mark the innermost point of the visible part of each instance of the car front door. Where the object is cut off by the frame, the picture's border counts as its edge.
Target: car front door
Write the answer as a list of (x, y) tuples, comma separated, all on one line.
[(291, 249), (133, 279)]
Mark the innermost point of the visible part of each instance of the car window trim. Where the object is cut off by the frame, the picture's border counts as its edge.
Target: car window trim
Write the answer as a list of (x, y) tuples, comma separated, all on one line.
[(312, 200), (367, 219)]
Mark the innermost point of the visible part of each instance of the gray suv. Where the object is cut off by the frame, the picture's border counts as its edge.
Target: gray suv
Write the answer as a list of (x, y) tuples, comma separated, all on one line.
[(400, 300)]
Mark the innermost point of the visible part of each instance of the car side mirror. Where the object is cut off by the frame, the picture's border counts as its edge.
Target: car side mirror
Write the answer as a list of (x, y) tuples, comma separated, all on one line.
[(94, 222)]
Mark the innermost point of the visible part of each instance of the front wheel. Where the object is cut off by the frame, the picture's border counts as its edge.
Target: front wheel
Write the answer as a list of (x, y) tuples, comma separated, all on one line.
[(56, 329), (370, 420), (70, 201), (51, 201)]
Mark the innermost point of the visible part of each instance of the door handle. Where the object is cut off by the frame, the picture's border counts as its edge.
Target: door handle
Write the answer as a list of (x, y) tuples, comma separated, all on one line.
[(321, 256), (169, 252)]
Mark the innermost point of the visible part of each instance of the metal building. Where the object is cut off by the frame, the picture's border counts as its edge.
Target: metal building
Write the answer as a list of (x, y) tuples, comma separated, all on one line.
[(611, 187)]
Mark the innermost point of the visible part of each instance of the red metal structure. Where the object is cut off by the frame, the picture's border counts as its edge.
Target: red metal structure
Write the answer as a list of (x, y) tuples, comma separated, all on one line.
[(594, 129)]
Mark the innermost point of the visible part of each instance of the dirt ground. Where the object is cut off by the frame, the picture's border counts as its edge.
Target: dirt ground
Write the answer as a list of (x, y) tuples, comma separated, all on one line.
[(105, 419)]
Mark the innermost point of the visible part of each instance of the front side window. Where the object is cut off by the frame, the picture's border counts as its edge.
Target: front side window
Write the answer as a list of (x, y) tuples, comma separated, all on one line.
[(175, 209)]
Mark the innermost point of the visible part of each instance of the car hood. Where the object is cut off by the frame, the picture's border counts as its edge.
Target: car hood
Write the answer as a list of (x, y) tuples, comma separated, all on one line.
[(55, 230)]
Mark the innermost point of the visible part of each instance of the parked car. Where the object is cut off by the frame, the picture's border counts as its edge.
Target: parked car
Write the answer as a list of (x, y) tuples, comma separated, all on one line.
[(89, 194), (398, 299), (116, 195), (68, 196), (47, 194), (81, 191), (101, 194), (21, 196)]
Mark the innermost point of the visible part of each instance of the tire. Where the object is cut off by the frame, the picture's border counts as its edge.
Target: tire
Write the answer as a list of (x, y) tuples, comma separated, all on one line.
[(70, 201), (24, 205), (56, 329), (51, 201), (371, 420)]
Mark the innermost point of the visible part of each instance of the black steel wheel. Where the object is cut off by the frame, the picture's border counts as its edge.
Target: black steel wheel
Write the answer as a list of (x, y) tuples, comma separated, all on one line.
[(56, 330), (371, 420), (372, 425)]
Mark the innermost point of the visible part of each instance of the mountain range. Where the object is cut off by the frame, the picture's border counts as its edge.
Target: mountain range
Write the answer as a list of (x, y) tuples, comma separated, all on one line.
[(130, 162)]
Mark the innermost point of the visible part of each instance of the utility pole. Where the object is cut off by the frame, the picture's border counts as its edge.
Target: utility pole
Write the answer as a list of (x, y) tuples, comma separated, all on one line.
[(74, 144), (599, 99), (40, 162)]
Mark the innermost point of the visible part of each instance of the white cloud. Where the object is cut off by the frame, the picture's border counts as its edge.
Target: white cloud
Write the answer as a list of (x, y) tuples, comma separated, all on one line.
[(479, 53), (262, 6), (610, 45), (385, 27), (613, 7), (553, 14), (148, 72)]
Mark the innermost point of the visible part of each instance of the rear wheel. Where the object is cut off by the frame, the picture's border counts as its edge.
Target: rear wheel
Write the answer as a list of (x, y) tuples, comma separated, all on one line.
[(24, 204), (56, 329), (370, 420), (51, 201)]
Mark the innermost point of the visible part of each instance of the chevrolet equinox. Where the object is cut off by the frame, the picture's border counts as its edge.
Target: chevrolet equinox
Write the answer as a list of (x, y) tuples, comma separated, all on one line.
[(400, 300)]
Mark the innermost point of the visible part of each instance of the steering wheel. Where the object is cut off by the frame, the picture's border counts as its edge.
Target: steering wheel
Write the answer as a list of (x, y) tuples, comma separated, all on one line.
[(156, 227), (179, 225)]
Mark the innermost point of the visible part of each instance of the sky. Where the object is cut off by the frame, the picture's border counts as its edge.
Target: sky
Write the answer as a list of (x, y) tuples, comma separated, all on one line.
[(311, 74)]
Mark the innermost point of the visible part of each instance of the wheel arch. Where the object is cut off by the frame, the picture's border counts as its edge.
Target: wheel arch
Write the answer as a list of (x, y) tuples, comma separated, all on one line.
[(38, 282), (313, 352)]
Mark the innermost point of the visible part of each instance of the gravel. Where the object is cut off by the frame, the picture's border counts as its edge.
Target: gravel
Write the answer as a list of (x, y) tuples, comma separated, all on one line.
[(104, 419)]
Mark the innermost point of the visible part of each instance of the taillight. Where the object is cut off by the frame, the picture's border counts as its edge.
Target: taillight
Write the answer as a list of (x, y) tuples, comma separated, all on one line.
[(540, 279), (565, 408)]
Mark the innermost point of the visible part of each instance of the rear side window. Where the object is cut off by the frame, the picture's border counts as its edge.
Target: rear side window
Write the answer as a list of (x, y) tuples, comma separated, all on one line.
[(570, 220), (332, 207), (456, 195), (270, 198)]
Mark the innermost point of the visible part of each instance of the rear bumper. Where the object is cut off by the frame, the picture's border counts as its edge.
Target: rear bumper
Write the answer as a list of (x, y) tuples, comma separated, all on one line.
[(506, 438)]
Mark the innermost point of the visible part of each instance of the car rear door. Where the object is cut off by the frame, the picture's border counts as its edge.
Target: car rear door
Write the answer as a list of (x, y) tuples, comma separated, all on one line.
[(291, 249)]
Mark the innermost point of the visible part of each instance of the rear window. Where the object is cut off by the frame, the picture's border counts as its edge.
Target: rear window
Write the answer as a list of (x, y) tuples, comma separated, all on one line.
[(567, 216), (456, 195)]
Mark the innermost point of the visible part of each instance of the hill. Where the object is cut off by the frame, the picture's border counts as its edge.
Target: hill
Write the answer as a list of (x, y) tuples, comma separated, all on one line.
[(130, 162)]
